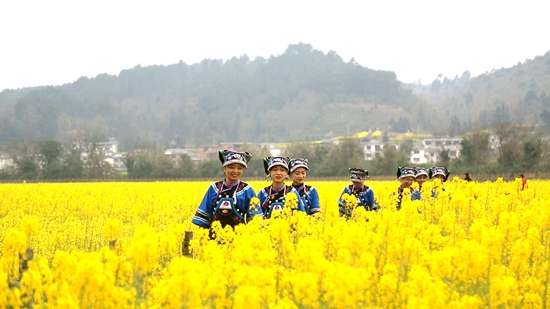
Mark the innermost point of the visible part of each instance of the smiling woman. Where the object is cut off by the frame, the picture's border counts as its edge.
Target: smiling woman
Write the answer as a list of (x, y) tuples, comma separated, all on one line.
[(228, 201), (273, 198)]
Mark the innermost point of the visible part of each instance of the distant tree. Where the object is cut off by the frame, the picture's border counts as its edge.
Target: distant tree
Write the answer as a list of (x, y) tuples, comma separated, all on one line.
[(469, 98), (163, 166), (88, 142), (465, 76), (212, 169), (341, 157), (73, 167), (51, 151), (545, 117), (64, 127), (436, 86), (27, 168), (454, 126), (139, 164), (318, 155), (299, 150), (255, 165), (532, 152), (25, 160), (544, 99), (444, 158), (530, 97), (387, 162), (510, 138), (401, 125), (129, 162), (468, 152), (406, 147), (186, 167), (500, 116), (385, 137)]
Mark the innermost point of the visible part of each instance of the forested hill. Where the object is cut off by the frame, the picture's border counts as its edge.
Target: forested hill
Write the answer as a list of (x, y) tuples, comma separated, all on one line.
[(302, 94), (519, 94)]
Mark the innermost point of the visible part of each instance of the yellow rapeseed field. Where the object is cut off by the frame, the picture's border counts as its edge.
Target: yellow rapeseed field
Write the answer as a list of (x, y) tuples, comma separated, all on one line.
[(119, 245)]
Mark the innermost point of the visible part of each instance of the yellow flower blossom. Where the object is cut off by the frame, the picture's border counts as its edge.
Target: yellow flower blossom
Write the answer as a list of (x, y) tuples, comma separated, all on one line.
[(477, 245)]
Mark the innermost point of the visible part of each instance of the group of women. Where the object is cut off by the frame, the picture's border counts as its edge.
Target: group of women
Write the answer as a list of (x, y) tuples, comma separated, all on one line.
[(229, 201)]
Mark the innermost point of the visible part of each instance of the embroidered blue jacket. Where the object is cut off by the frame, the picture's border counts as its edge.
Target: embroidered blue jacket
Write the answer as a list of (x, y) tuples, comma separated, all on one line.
[(309, 197), (271, 200), (365, 197), (241, 199)]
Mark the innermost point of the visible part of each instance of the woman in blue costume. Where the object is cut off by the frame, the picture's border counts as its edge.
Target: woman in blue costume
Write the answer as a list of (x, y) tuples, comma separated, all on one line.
[(308, 194), (441, 173), (363, 194), (421, 177), (228, 201), (406, 176), (273, 198)]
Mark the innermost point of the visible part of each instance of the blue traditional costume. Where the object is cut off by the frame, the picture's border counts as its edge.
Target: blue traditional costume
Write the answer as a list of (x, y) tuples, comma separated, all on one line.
[(416, 195), (403, 172), (227, 203), (272, 199), (363, 194), (308, 194)]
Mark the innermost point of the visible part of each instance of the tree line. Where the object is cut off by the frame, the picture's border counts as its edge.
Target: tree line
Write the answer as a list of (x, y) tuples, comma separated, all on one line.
[(504, 148)]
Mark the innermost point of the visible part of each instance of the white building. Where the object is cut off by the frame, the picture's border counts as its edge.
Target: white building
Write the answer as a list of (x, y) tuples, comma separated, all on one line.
[(176, 154), (374, 147), (5, 161), (117, 161), (428, 151), (108, 148)]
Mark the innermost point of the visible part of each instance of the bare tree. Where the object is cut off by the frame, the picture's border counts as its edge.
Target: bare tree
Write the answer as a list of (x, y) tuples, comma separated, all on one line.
[(509, 143)]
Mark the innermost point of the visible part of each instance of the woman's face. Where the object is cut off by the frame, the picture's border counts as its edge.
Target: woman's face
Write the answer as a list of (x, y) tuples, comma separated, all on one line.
[(298, 176), (421, 179), (233, 172), (440, 177), (406, 182), (278, 174), (357, 184)]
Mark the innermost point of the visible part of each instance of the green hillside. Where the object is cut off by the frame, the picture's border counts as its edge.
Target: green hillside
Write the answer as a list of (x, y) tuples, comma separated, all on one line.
[(303, 94)]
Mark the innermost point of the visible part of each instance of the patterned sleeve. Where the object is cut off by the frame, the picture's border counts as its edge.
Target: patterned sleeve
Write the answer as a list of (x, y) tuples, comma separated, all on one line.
[(301, 206), (205, 212), (262, 196), (247, 195), (369, 198), (314, 201)]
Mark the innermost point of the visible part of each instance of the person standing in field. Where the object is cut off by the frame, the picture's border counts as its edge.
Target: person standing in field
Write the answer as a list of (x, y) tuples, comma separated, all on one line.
[(308, 194), (273, 198), (440, 173), (420, 178), (406, 175), (467, 177), (523, 182), (362, 193), (228, 201)]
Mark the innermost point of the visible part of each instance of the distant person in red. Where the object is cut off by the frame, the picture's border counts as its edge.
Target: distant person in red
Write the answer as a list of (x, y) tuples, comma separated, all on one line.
[(523, 182)]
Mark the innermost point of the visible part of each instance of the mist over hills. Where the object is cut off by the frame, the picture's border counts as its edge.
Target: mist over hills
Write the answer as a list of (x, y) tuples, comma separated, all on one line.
[(520, 94), (300, 95)]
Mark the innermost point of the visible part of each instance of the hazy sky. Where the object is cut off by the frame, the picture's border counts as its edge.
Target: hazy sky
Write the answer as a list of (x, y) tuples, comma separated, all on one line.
[(56, 42)]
